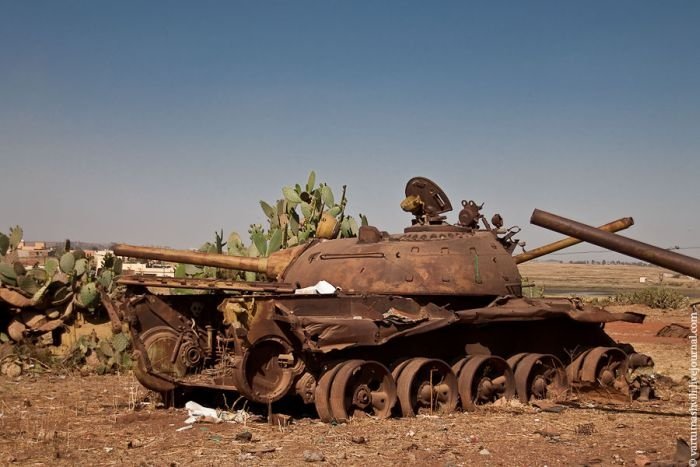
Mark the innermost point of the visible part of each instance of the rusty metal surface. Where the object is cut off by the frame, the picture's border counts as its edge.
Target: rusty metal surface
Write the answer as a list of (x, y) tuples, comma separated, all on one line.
[(426, 386), (148, 280), (484, 379), (627, 246), (408, 302), (362, 386), (615, 226), (271, 266)]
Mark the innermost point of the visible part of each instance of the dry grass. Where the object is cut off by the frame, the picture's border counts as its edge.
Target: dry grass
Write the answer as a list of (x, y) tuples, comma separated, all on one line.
[(608, 277)]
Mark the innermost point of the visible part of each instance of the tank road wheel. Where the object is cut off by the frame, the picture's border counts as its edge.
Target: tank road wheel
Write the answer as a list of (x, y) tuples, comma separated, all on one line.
[(160, 343), (263, 375), (483, 379), (323, 393), (606, 366), (426, 384), (362, 387), (539, 376)]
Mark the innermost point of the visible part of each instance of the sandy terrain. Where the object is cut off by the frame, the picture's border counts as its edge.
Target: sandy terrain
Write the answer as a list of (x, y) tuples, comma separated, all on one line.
[(111, 420)]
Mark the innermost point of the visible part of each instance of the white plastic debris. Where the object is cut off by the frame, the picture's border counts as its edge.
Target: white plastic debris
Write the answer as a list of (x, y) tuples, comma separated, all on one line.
[(199, 413), (321, 288)]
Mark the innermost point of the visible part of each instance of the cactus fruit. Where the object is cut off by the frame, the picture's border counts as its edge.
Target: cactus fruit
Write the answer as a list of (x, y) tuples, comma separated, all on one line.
[(67, 262)]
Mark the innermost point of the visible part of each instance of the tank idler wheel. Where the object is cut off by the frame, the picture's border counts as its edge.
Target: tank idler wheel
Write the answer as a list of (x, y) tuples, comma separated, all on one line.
[(606, 366), (323, 392), (362, 387), (540, 376), (426, 385), (160, 343), (483, 379)]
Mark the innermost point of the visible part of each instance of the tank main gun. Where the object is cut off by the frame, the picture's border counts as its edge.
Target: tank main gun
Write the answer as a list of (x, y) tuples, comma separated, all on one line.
[(627, 246), (614, 226), (272, 266)]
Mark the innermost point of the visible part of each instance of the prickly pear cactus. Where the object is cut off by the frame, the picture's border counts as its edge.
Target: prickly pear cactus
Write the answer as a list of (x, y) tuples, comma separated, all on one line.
[(301, 214), (46, 296)]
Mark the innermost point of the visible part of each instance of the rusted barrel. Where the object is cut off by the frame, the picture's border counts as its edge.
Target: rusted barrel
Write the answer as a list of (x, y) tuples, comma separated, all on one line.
[(627, 246), (272, 266), (614, 226)]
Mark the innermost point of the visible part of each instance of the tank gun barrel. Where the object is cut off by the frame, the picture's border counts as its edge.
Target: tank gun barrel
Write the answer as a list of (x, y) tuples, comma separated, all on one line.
[(614, 226), (627, 246), (271, 266)]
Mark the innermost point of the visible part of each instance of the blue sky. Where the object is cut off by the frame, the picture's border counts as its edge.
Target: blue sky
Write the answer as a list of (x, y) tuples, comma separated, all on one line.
[(159, 123)]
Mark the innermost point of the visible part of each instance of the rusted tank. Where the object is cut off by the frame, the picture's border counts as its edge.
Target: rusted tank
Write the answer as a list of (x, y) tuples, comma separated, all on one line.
[(426, 320)]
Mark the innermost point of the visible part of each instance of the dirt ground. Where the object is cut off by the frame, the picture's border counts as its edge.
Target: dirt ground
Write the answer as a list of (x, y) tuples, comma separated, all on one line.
[(111, 420)]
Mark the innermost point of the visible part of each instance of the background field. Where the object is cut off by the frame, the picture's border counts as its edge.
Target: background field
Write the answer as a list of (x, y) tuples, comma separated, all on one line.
[(596, 279)]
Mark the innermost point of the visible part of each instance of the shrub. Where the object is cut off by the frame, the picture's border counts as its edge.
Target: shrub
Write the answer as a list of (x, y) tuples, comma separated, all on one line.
[(654, 297)]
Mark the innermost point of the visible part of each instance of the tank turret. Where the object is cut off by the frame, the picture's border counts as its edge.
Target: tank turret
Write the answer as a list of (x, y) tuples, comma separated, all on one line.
[(431, 258)]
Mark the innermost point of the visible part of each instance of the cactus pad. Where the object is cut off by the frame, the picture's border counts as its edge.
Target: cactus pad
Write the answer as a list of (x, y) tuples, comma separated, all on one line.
[(67, 262)]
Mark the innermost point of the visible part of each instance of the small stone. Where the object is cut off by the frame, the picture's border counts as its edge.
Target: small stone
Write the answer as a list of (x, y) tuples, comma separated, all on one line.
[(411, 434), (26, 403), (641, 460), (485, 452), (314, 456), (244, 436), (134, 443), (11, 370), (359, 439)]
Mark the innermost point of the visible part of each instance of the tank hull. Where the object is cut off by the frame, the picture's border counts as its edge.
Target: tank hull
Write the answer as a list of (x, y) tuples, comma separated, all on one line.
[(278, 346)]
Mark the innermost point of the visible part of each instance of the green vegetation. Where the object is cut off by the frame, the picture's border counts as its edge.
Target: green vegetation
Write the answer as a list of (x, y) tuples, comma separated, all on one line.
[(42, 298), (303, 212), (653, 297)]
